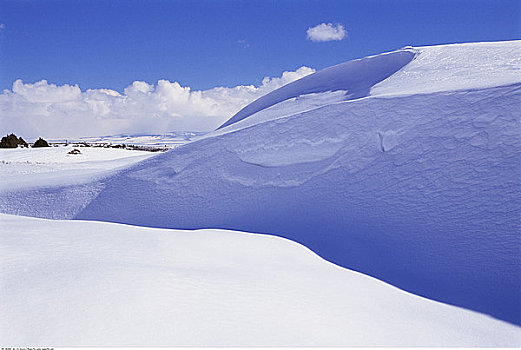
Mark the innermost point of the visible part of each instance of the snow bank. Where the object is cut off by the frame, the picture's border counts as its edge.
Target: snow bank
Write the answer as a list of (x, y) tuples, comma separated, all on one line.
[(425, 69), (73, 283), (456, 67), (420, 191), (56, 184), (355, 78)]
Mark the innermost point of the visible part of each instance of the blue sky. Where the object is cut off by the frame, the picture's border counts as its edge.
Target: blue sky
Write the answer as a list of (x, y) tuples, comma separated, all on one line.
[(203, 44)]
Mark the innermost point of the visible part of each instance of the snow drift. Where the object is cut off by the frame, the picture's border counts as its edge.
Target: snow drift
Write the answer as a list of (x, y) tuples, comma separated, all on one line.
[(417, 183), (73, 283), (354, 77)]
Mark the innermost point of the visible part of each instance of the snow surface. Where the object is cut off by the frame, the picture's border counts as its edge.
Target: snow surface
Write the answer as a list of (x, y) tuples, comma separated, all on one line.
[(283, 109), (420, 189), (431, 69), (78, 283), (456, 67), (354, 77), (51, 166)]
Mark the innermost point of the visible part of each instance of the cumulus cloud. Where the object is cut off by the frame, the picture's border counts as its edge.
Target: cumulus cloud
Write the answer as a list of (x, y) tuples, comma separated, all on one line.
[(326, 32), (65, 111)]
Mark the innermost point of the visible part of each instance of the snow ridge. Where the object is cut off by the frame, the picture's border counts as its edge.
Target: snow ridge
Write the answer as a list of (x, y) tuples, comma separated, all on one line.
[(354, 77)]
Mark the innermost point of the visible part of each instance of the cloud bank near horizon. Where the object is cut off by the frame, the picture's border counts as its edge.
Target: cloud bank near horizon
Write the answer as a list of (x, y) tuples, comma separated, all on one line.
[(64, 111), (326, 32)]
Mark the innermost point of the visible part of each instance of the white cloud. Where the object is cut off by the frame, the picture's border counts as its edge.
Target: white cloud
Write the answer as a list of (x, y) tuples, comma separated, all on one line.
[(52, 111), (326, 32), (2, 26), (243, 43)]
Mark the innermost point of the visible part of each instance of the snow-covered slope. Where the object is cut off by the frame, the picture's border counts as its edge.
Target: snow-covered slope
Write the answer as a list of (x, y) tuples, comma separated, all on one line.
[(73, 283), (355, 78), (456, 67), (409, 71), (418, 189)]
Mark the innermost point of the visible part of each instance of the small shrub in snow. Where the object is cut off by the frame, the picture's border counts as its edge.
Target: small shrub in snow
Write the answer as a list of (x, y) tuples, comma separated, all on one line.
[(22, 142), (41, 143)]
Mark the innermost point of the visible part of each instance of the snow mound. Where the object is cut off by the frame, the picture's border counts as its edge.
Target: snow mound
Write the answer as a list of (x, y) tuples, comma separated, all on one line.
[(355, 78), (430, 69), (456, 67), (73, 283), (420, 191)]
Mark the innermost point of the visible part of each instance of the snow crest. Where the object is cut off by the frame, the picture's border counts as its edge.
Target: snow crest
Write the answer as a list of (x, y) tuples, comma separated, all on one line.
[(354, 77)]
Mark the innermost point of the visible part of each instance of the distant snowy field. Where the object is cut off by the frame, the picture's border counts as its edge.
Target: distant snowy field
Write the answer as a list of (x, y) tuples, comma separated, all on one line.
[(170, 140), (46, 166), (80, 283)]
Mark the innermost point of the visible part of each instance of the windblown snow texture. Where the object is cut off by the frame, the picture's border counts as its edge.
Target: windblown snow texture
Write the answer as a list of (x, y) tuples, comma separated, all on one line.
[(421, 190)]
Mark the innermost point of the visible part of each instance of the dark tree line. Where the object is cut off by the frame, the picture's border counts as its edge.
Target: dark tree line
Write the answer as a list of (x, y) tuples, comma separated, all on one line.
[(12, 141)]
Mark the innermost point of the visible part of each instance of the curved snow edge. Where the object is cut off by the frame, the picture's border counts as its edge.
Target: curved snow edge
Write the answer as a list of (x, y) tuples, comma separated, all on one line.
[(356, 77)]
